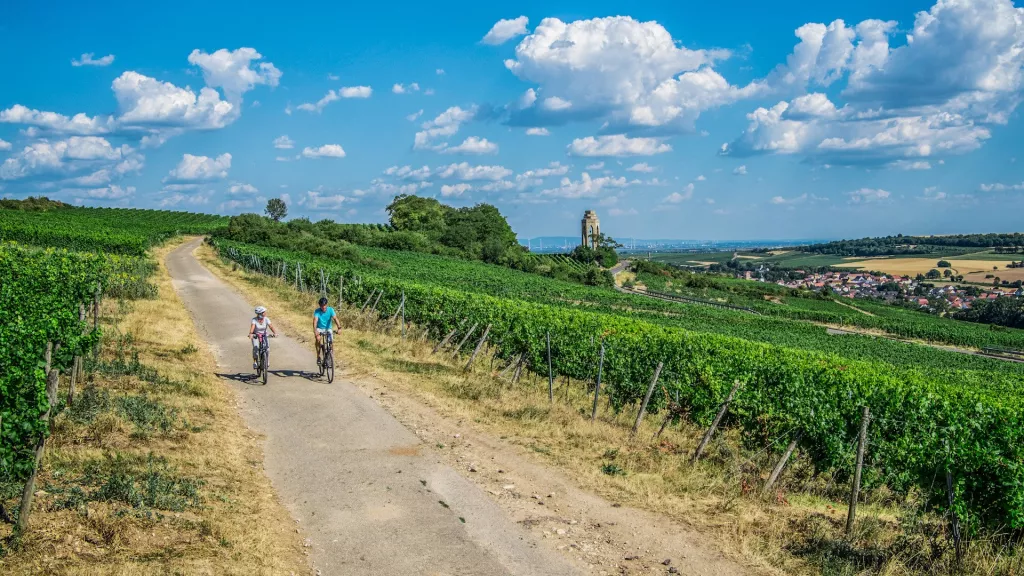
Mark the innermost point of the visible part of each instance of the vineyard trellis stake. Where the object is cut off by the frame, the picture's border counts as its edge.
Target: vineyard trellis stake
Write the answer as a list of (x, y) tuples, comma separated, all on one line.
[(444, 342), (862, 441), (597, 384), (373, 308), (464, 338), (551, 377), (29, 489), (647, 398), (479, 345), (367, 303), (777, 471), (718, 419)]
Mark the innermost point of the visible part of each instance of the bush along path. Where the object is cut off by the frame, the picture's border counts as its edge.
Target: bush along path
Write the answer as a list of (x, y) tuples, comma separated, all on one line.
[(919, 429), (369, 494)]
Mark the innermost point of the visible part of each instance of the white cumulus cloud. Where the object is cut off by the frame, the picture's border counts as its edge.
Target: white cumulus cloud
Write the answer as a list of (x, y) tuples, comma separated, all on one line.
[(155, 110), (193, 169), (633, 74), (89, 60), (868, 195), (242, 188), (617, 145), (505, 30), (455, 189), (234, 72), (537, 132), (405, 88), (283, 142), (465, 171), (957, 72), (641, 167), (356, 92), (679, 197), (585, 187), (325, 151), (473, 145), (443, 126)]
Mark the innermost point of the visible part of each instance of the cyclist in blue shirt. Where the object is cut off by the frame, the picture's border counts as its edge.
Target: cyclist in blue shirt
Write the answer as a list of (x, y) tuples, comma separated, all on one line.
[(323, 318)]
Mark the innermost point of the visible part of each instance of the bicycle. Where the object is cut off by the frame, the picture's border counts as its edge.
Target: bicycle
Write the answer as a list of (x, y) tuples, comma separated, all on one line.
[(262, 358), (327, 355)]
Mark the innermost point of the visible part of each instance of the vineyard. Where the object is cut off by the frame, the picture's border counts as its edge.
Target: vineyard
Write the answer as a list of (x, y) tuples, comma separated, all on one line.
[(40, 294), (55, 265), (925, 421), (111, 230), (502, 282)]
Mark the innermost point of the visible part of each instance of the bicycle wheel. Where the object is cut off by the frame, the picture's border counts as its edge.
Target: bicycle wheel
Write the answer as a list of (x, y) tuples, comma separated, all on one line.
[(263, 365), (329, 364)]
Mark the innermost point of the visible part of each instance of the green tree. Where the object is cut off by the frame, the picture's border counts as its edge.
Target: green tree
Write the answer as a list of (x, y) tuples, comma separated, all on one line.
[(947, 273), (933, 274), (417, 214), (944, 264), (276, 209)]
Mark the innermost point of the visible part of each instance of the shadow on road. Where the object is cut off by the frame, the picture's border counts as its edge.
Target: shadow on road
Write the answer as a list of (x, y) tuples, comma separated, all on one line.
[(294, 373), (250, 377)]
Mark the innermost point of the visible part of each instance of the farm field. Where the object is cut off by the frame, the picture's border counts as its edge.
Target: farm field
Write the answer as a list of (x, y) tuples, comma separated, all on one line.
[(966, 262), (1010, 274), (915, 266)]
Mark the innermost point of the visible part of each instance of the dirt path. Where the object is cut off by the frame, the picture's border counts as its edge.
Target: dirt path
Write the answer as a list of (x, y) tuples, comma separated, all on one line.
[(369, 496)]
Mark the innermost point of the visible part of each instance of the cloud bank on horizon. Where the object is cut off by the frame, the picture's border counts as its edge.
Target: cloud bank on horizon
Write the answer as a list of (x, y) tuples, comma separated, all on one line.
[(848, 124)]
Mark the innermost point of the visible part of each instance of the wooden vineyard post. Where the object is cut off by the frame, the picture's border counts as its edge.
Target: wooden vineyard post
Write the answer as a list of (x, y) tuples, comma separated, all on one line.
[(403, 314), (367, 303), (398, 310), (29, 490), (647, 398), (597, 385), (957, 548), (777, 471), (479, 345), (77, 367), (464, 338), (519, 368), (855, 490), (341, 291), (444, 342), (513, 364), (718, 419), (96, 317), (551, 377), (376, 301)]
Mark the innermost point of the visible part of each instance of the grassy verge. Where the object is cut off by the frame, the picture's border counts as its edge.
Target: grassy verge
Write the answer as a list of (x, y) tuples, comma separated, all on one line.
[(151, 470), (796, 528)]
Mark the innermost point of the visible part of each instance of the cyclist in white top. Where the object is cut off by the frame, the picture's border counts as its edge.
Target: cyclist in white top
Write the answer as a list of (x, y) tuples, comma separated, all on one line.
[(259, 327)]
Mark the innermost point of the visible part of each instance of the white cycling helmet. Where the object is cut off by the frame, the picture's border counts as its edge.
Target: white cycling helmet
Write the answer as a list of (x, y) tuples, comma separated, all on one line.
[(261, 309)]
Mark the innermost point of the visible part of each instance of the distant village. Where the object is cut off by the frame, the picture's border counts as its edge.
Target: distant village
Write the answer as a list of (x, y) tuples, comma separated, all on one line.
[(895, 289)]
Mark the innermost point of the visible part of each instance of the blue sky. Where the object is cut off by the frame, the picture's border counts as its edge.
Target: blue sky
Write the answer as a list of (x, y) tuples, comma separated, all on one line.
[(726, 120)]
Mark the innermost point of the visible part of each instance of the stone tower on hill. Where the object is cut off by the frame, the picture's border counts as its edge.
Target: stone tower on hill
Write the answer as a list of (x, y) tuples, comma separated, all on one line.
[(590, 229)]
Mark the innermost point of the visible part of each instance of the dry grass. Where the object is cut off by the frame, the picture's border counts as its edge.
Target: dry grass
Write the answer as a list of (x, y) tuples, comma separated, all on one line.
[(1010, 274), (187, 429), (795, 529), (915, 266)]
